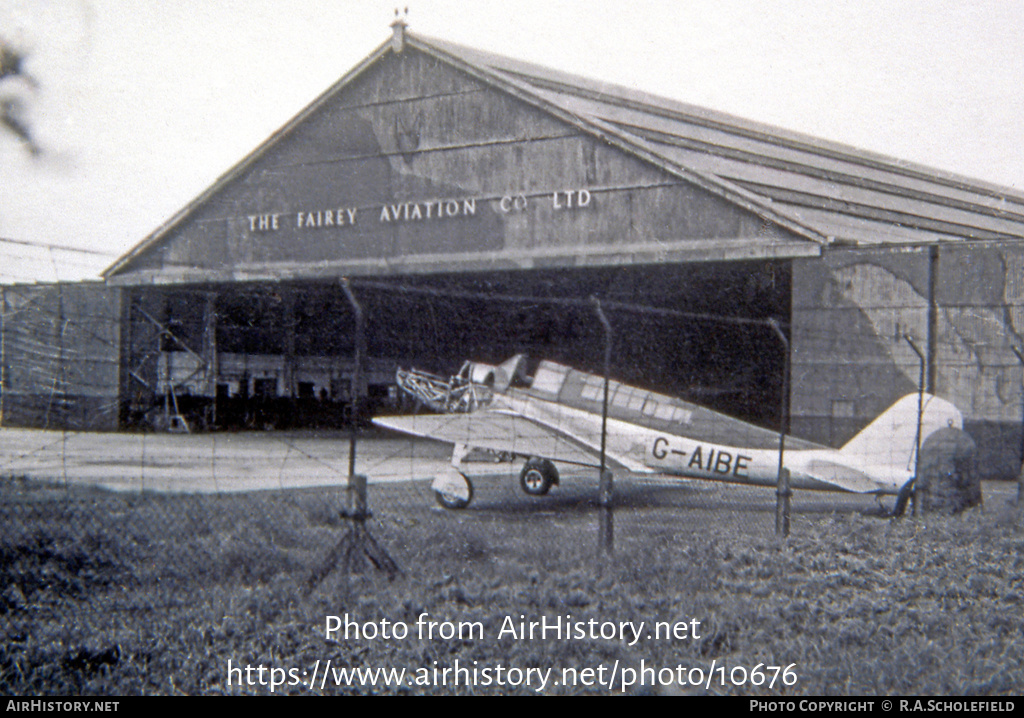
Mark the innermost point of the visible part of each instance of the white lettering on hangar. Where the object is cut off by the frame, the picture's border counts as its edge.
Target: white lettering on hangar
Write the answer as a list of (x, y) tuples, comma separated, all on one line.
[(413, 211)]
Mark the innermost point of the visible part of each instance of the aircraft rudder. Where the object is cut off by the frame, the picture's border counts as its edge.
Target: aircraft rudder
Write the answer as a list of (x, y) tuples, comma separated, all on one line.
[(893, 435)]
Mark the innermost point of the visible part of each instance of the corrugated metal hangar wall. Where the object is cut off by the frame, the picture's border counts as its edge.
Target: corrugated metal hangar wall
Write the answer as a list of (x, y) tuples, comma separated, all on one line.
[(60, 345), (481, 179), (964, 304)]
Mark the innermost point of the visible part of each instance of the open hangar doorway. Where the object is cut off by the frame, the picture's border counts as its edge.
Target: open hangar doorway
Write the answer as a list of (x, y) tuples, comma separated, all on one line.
[(249, 355), (280, 355)]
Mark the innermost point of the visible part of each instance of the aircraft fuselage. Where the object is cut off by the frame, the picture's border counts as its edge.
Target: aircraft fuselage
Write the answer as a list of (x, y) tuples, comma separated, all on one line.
[(655, 451)]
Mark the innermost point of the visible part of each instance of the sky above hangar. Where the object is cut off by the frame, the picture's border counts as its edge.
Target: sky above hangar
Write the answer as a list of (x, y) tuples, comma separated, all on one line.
[(142, 104)]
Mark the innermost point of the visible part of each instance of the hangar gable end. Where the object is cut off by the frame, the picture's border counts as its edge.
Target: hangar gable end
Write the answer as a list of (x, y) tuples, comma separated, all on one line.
[(415, 164)]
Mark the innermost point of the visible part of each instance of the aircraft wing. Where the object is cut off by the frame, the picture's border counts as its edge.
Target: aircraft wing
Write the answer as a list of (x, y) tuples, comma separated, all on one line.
[(500, 431)]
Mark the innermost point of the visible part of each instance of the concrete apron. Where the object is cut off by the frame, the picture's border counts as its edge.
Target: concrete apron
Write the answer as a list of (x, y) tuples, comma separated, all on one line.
[(212, 463)]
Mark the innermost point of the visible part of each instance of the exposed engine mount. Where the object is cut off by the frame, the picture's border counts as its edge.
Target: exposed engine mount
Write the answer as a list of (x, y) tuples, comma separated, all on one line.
[(472, 387)]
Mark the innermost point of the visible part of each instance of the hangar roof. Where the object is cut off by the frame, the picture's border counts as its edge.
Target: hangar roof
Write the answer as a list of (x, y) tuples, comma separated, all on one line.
[(837, 191), (822, 192)]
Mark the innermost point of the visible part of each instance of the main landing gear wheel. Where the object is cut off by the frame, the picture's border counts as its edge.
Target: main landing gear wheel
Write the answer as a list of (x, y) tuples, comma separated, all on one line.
[(453, 496), (538, 476)]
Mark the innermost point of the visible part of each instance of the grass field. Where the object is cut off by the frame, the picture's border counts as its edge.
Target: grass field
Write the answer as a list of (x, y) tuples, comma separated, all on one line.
[(105, 593)]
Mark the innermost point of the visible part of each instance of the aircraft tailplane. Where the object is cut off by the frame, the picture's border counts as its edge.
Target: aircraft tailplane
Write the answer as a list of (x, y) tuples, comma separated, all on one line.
[(890, 439)]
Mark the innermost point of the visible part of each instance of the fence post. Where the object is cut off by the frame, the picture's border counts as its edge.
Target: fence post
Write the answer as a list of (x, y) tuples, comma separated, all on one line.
[(920, 415), (783, 492), (606, 494), (1020, 474), (357, 374), (357, 546)]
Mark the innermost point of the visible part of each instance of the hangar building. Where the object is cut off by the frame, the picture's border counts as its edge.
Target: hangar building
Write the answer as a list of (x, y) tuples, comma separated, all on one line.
[(460, 192)]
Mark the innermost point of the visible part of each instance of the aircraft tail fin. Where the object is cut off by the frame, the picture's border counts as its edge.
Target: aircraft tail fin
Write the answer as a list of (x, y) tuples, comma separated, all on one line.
[(891, 439)]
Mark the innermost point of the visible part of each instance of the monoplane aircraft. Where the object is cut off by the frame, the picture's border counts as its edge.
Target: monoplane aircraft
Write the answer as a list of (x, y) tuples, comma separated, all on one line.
[(555, 417)]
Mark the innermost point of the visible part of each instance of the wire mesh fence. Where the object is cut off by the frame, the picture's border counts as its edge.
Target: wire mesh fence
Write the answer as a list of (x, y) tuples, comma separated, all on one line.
[(136, 558)]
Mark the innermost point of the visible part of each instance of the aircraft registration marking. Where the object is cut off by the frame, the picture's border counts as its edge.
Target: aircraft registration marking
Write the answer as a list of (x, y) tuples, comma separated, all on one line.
[(718, 461)]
